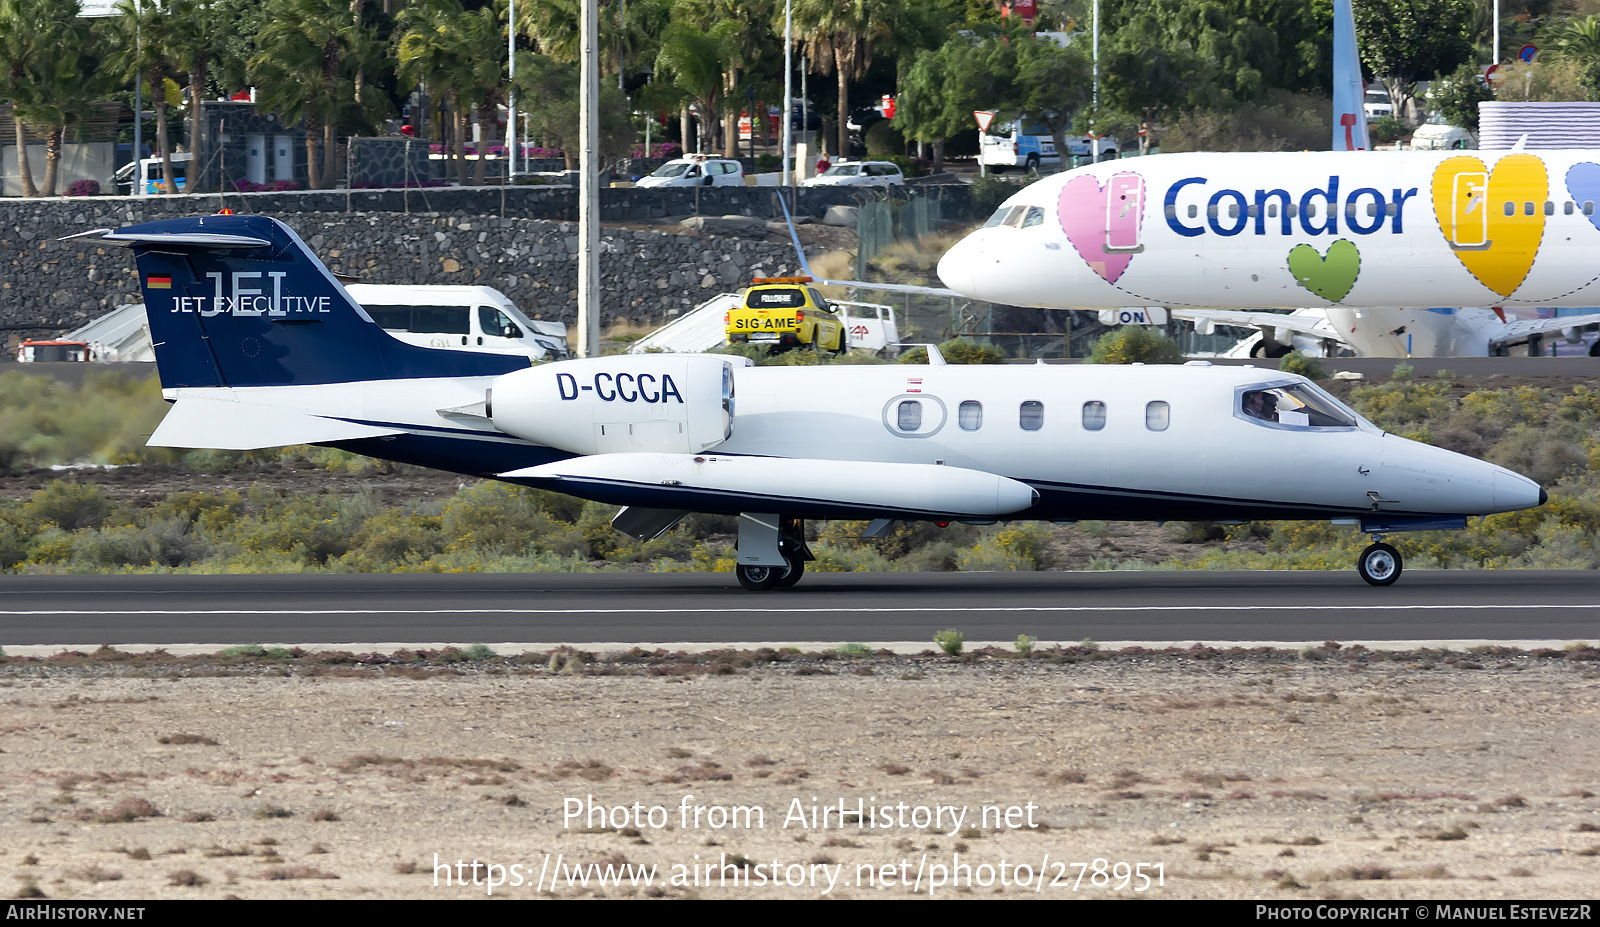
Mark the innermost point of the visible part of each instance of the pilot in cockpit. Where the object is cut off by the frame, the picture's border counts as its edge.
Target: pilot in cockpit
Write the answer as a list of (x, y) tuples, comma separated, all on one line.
[(1261, 404)]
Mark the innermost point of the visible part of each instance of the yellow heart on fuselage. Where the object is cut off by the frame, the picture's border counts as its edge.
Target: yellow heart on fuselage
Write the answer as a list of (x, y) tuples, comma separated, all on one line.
[(1493, 219)]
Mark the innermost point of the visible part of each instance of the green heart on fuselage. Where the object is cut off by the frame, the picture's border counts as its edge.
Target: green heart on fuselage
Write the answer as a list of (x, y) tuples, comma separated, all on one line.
[(1329, 277)]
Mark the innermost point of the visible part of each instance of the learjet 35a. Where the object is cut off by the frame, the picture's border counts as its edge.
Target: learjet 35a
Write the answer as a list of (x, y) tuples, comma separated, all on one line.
[(258, 345)]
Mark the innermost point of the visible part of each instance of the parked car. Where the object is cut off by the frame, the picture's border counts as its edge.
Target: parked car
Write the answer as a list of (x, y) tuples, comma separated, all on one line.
[(1436, 135), (1377, 103), (860, 174), (695, 172)]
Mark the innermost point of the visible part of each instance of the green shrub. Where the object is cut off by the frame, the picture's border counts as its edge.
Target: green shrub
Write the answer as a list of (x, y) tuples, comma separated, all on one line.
[(1299, 364), (950, 641), (883, 140), (1135, 344), (1386, 130), (958, 351), (1024, 644), (987, 193), (70, 505)]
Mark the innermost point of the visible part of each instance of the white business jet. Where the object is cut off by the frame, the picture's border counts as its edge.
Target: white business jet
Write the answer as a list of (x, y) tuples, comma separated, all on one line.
[(258, 345), (1373, 239)]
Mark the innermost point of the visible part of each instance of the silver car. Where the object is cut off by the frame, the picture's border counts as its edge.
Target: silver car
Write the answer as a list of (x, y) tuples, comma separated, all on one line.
[(860, 174)]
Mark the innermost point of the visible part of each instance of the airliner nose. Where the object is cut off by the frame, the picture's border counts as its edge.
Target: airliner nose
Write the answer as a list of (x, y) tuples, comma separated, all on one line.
[(958, 267)]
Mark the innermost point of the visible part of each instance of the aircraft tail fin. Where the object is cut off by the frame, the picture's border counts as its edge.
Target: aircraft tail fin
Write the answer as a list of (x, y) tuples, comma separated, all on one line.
[(1349, 92), (241, 301)]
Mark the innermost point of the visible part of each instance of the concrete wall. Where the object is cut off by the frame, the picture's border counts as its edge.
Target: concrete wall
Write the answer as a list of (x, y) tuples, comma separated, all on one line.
[(79, 161)]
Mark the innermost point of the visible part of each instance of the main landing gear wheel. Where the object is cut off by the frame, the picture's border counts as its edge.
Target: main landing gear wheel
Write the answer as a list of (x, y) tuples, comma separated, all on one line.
[(1379, 565), (762, 578), (797, 569)]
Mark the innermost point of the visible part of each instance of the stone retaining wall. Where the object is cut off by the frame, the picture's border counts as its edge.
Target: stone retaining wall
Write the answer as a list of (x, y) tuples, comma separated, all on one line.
[(450, 235)]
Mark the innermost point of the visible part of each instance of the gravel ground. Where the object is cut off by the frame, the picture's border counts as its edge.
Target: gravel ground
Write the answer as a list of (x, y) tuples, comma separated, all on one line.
[(1246, 776)]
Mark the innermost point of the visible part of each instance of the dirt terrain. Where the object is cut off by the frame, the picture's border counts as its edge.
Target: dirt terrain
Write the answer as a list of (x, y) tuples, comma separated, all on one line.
[(1333, 774)]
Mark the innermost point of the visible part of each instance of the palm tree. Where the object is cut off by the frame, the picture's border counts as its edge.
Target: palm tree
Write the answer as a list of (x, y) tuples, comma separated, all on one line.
[(747, 36), (696, 59), (433, 54), (195, 36), (42, 43), (841, 38), (138, 50), (301, 63)]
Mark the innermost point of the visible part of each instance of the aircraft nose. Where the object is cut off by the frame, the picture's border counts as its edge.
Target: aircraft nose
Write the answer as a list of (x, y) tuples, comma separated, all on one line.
[(1513, 491), (958, 268)]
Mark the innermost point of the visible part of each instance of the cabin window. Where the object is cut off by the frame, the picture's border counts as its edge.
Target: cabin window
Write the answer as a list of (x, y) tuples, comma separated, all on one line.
[(1511, 208), (1233, 210), (1311, 210), (1291, 210), (1157, 415), (1527, 208), (1031, 415), (970, 415), (1211, 211), (1549, 207), (1393, 209), (1588, 207), (1193, 210), (1272, 210), (1094, 415), (1253, 211), (1566, 208), (908, 417)]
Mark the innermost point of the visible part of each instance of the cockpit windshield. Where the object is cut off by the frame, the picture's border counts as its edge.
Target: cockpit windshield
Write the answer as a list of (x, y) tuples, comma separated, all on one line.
[(1294, 404), (1017, 217)]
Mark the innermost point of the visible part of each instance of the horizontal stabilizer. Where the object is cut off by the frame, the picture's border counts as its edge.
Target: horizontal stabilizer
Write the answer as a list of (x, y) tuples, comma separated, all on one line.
[(236, 426), (671, 481), (185, 240)]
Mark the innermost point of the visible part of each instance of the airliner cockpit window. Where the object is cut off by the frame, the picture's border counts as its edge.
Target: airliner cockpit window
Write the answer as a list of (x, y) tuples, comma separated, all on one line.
[(1294, 404), (1023, 217), (1006, 215)]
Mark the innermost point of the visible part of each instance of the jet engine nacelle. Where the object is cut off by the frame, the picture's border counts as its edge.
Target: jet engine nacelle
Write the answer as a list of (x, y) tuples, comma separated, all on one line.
[(674, 403)]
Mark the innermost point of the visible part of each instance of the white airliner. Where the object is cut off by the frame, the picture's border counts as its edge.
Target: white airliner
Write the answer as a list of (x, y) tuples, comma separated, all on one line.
[(259, 346), (1374, 239)]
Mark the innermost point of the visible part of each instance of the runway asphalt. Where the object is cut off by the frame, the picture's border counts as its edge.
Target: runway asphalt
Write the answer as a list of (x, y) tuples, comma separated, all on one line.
[(705, 610)]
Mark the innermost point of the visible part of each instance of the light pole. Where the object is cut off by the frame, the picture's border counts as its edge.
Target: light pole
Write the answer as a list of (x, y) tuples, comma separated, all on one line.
[(788, 83), (589, 182), (512, 130)]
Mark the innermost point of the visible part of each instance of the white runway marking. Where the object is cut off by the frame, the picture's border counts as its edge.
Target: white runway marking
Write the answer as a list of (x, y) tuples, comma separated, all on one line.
[(789, 611)]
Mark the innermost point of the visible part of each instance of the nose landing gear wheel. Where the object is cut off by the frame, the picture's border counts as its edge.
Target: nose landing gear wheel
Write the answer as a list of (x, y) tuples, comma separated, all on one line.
[(1379, 565)]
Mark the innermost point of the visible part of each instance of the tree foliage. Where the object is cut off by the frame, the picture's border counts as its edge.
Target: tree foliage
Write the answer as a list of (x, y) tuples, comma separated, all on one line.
[(1404, 41)]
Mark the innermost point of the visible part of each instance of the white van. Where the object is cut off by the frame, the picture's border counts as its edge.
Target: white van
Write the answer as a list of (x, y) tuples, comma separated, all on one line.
[(472, 318)]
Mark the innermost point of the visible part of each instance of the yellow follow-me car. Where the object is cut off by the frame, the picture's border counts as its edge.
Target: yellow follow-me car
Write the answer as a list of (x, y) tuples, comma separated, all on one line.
[(785, 312)]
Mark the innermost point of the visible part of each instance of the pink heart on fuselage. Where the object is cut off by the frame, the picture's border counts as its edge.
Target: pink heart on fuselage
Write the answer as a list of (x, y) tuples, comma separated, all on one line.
[(1101, 230)]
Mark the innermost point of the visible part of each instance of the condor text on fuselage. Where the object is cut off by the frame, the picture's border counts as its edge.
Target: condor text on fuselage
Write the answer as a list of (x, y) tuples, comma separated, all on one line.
[(1295, 230)]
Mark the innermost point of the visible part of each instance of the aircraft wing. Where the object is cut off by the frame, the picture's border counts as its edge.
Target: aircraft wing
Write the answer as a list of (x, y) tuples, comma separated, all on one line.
[(1317, 327), (895, 288), (1521, 329), (805, 268)]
